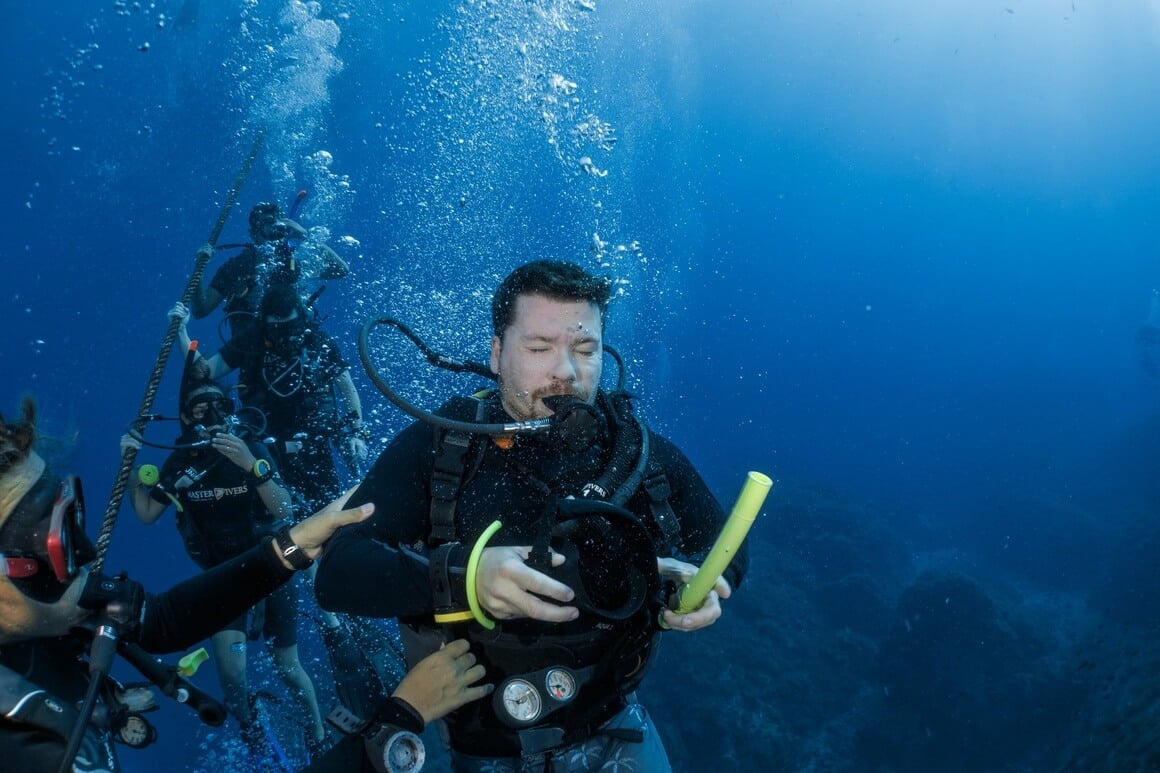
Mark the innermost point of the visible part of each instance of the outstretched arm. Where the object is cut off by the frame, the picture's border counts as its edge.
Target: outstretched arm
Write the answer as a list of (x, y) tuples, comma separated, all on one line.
[(333, 267)]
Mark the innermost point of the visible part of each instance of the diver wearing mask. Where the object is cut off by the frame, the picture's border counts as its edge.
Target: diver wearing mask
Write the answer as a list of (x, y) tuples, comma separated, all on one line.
[(269, 259), (227, 495), (293, 371), (51, 606)]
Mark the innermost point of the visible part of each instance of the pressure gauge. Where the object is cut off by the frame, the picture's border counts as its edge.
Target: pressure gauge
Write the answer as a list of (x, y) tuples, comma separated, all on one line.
[(391, 750), (560, 684), (521, 701)]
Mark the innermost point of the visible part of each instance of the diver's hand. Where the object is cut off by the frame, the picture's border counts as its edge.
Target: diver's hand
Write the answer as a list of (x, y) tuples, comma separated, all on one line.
[(310, 535), (234, 449), (180, 312), (441, 682), (705, 615), (22, 618), (127, 442), (357, 448), (205, 251), (504, 585)]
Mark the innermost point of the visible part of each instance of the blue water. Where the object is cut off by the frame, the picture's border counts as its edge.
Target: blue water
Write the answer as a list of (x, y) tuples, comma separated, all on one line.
[(894, 255)]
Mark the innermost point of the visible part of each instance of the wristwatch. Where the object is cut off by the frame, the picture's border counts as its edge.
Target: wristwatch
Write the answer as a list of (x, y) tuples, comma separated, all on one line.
[(290, 550), (263, 471)]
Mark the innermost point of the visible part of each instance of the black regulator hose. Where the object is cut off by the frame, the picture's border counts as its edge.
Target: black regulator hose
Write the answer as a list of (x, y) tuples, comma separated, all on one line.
[(623, 475), (236, 425), (447, 363)]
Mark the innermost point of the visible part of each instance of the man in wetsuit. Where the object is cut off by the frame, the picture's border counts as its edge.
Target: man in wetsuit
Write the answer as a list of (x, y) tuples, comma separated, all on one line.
[(565, 650), (295, 374)]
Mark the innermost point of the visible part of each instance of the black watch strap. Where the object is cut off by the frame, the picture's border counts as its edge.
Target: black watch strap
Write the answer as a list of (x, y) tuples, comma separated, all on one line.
[(290, 550)]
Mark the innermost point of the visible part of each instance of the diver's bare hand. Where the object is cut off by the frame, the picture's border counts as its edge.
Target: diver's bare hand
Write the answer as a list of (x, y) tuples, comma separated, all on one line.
[(441, 682), (234, 449), (129, 442), (710, 609), (311, 534), (504, 585), (179, 312)]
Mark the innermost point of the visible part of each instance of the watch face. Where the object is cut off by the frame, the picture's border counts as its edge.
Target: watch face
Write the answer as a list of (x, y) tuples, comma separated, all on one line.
[(404, 753), (135, 732)]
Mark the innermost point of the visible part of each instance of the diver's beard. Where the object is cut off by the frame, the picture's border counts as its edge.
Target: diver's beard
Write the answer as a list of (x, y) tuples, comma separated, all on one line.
[(529, 406)]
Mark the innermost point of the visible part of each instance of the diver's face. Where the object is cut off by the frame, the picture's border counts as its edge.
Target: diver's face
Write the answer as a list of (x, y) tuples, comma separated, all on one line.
[(267, 226), (209, 407), (552, 347)]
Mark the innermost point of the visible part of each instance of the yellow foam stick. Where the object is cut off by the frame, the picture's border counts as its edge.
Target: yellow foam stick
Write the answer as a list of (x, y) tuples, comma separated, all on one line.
[(744, 513)]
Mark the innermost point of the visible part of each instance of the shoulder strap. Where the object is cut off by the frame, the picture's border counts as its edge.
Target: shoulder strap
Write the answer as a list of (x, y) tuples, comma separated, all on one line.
[(656, 486), (450, 468)]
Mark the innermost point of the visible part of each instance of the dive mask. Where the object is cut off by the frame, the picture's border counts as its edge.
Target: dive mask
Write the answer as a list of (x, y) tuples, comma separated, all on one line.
[(43, 544), (210, 409)]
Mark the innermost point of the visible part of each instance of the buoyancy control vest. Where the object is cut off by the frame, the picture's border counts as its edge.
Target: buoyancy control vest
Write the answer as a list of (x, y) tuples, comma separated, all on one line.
[(558, 688)]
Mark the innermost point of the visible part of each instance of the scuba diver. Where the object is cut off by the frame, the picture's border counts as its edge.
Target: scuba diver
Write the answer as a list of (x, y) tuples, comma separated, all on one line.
[(294, 373), (269, 259), (228, 495), (293, 376), (543, 522), (61, 625)]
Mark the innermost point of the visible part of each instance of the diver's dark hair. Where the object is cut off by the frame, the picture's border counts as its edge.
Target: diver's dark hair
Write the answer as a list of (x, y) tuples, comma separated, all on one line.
[(193, 385), (555, 279), (280, 300), (16, 440), (261, 210)]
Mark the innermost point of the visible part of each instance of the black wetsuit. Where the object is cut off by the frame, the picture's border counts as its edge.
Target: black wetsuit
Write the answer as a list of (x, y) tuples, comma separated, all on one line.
[(182, 616), (296, 390), (364, 559), (222, 515), (241, 280)]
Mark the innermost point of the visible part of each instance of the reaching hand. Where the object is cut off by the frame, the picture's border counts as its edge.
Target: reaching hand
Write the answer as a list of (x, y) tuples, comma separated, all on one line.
[(357, 448), (312, 534), (441, 682), (505, 583)]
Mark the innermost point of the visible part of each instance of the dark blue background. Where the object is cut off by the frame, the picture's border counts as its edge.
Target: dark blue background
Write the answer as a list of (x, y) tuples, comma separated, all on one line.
[(897, 253)]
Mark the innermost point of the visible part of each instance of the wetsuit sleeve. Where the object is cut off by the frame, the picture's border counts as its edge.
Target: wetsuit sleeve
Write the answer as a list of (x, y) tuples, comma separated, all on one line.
[(198, 607), (698, 511), (232, 277), (373, 568)]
